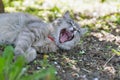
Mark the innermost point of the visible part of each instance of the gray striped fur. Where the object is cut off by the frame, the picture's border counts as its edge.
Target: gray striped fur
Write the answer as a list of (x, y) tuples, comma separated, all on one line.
[(29, 34)]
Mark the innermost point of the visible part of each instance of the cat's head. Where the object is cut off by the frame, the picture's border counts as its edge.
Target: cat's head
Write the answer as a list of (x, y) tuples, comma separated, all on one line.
[(67, 32)]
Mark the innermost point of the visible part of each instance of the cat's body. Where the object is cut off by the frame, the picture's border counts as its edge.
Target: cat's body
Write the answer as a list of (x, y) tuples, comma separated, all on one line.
[(30, 35)]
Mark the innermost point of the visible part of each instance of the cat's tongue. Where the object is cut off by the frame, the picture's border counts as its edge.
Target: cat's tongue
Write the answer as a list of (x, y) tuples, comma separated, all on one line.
[(65, 36)]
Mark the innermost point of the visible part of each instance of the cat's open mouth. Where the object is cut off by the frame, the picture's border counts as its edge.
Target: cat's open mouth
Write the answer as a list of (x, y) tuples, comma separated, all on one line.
[(66, 35)]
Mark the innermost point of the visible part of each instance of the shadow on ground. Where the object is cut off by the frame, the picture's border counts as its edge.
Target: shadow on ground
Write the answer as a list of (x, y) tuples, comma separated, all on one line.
[(92, 59)]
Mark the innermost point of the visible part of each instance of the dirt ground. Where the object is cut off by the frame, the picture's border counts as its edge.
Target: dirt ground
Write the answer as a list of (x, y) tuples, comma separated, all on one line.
[(92, 59)]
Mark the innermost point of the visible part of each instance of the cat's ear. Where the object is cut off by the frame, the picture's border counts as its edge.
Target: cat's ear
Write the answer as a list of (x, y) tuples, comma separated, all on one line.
[(67, 15)]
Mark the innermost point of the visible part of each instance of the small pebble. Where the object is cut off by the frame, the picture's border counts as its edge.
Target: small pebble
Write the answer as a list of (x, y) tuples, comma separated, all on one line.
[(58, 66), (56, 72), (55, 63), (95, 79), (38, 68), (63, 71)]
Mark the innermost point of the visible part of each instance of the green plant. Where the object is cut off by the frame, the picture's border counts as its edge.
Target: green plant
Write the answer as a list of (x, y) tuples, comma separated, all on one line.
[(16, 70), (81, 52), (116, 52)]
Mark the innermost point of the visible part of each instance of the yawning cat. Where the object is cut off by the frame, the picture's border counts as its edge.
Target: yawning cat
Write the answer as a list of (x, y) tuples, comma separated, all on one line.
[(30, 35)]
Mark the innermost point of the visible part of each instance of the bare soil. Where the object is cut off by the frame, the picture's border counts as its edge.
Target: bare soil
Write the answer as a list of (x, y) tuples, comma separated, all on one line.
[(92, 59)]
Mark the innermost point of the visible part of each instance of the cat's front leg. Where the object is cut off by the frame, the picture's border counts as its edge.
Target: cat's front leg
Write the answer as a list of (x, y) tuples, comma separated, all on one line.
[(23, 44), (30, 54)]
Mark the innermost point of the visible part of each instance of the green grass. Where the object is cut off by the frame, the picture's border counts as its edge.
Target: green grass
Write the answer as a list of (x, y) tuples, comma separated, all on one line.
[(11, 69)]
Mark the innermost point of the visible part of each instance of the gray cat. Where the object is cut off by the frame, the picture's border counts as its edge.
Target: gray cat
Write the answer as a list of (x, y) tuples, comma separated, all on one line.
[(30, 35)]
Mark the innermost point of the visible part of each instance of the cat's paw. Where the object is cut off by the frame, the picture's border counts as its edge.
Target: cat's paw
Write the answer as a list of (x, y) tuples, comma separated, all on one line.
[(30, 54)]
